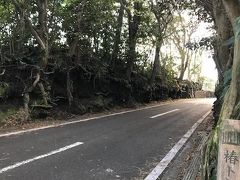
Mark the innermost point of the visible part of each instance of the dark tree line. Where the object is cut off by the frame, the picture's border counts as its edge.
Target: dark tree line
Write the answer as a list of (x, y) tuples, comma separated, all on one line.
[(56, 52)]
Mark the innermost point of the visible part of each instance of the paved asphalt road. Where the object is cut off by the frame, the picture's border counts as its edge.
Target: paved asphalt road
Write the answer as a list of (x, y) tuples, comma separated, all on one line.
[(114, 147)]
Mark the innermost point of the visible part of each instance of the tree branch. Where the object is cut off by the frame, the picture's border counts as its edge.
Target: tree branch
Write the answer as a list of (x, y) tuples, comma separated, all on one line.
[(124, 4), (34, 83), (29, 23)]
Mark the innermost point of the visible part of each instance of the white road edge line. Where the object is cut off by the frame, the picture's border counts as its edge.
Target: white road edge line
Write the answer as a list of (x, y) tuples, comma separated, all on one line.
[(18, 164), (159, 169), (78, 121), (164, 113)]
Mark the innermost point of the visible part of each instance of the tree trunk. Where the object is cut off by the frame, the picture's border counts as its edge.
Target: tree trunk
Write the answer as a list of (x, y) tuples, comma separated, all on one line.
[(133, 23), (74, 44), (232, 97), (41, 36), (182, 72), (181, 75), (189, 68), (221, 58), (27, 90), (43, 30), (26, 99), (69, 89), (117, 40), (222, 26), (185, 57), (156, 65), (131, 54), (44, 35), (43, 93)]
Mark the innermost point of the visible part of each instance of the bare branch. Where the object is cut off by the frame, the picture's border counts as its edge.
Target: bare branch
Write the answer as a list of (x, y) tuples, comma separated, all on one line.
[(35, 34)]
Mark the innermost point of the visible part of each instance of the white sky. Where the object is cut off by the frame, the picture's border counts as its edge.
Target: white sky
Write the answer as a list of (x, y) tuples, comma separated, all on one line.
[(209, 68), (204, 30), (208, 65)]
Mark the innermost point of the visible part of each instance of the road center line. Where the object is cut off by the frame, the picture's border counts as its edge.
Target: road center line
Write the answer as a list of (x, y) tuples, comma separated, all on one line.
[(18, 164), (164, 113), (160, 168)]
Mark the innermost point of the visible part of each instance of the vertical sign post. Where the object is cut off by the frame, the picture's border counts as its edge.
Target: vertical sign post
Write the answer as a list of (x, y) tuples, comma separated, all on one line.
[(229, 151)]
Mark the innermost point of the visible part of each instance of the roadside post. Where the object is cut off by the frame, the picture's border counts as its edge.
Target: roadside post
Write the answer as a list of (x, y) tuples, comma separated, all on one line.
[(229, 151)]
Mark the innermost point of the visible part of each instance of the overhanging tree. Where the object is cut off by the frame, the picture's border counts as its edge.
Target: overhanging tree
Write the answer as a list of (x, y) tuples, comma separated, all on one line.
[(163, 12)]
